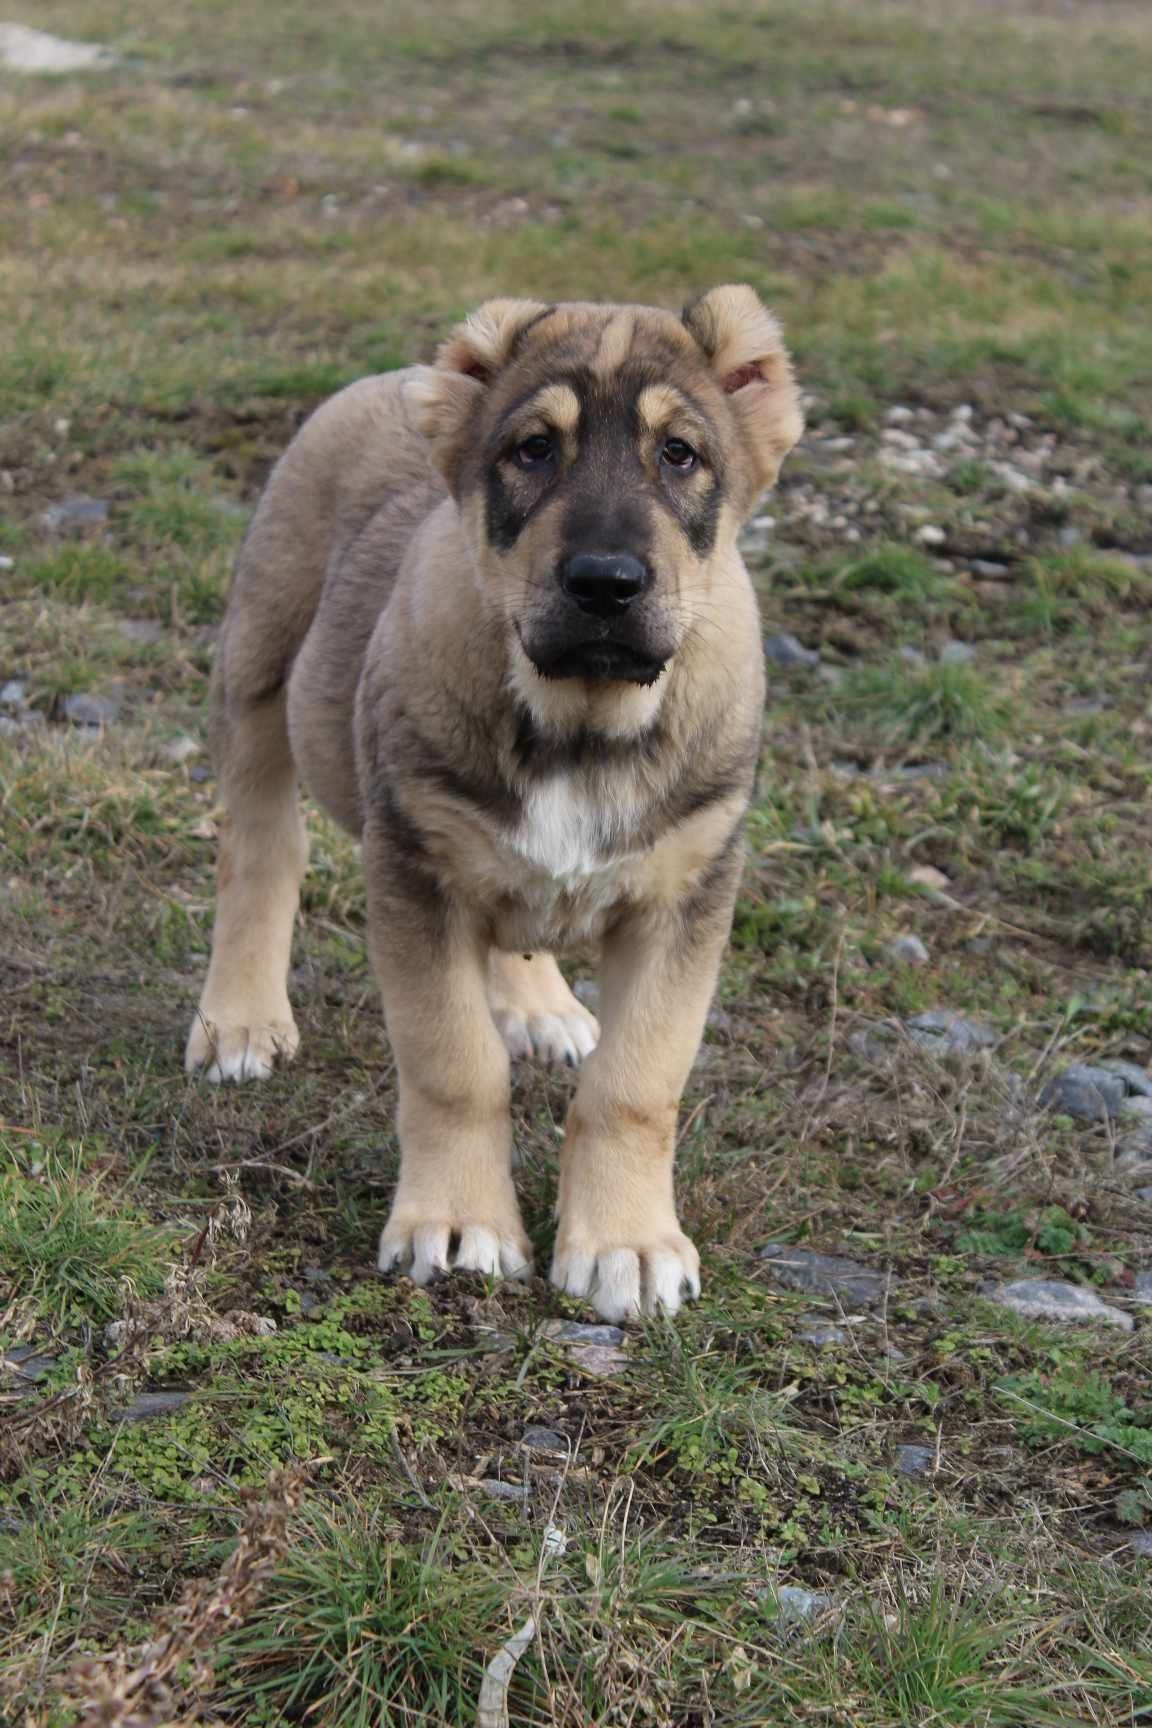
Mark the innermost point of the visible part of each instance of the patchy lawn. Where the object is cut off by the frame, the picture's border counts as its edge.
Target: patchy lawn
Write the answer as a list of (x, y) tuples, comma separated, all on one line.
[(858, 1493)]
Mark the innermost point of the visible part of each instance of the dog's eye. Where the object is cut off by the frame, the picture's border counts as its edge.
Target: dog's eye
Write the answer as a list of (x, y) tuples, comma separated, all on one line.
[(679, 455), (535, 452)]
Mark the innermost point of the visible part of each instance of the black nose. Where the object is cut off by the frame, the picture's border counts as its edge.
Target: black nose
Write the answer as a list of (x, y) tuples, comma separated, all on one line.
[(603, 583)]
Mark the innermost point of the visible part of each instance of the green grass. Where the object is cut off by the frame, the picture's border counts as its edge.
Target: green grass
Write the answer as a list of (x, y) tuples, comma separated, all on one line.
[(67, 1251), (947, 205)]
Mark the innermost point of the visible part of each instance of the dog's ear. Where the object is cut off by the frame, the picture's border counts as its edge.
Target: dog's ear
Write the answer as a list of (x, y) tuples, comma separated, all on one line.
[(745, 348), (443, 397)]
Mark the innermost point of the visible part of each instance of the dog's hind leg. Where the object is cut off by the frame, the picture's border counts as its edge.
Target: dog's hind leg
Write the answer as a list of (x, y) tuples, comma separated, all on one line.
[(244, 1023), (535, 1012)]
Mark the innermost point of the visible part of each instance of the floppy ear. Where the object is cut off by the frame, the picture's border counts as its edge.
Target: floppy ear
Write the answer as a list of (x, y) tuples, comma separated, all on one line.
[(745, 348), (443, 397)]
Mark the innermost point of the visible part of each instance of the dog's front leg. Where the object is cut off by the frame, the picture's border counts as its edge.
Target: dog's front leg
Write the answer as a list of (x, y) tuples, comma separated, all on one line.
[(619, 1241), (454, 1206)]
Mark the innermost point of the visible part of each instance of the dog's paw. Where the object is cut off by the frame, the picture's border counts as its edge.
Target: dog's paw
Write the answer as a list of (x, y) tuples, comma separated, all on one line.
[(622, 1280), (563, 1038), (235, 1052), (536, 1013), (425, 1248)]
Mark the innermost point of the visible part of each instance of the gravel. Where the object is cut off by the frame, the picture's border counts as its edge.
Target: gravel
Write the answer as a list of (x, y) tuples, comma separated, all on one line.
[(539, 1439), (75, 516), (146, 1406), (907, 950), (915, 1460)]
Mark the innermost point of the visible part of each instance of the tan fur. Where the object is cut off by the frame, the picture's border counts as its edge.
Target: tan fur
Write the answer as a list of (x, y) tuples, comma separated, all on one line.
[(387, 641)]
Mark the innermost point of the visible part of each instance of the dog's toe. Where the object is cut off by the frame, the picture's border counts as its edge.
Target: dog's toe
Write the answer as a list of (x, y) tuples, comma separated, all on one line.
[(428, 1251), (237, 1052), (623, 1283)]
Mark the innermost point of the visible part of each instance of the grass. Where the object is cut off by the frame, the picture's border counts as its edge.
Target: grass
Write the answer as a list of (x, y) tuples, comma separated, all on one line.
[(948, 207)]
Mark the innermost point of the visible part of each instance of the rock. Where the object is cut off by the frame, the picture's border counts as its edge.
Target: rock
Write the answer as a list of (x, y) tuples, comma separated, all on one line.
[(23, 49), (142, 630), (75, 516), (29, 1364), (911, 656), (989, 569), (900, 415), (1142, 1289), (785, 651), (85, 709), (930, 535), (148, 1405), (907, 950), (797, 1607), (7, 563), (1135, 1109), (1144, 1194), (1141, 1543), (957, 654), (1135, 1078), (823, 1274), (1011, 478), (1088, 1093), (916, 1460), (13, 694), (1063, 1304), (927, 876), (183, 748), (539, 1439), (820, 1336), (505, 1490), (595, 1349), (944, 1032)]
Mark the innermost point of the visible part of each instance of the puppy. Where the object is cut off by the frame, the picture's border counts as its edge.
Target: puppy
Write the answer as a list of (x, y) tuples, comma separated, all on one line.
[(492, 615)]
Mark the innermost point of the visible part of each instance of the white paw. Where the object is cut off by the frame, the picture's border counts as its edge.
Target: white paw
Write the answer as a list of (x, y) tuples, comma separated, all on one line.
[(622, 1282), (562, 1038), (425, 1250), (231, 1052)]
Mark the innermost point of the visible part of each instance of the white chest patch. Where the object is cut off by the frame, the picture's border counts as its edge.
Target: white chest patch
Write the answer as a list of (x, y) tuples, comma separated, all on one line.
[(561, 832)]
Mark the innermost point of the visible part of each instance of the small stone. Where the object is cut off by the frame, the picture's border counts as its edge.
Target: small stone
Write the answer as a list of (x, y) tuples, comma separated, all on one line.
[(820, 1336), (945, 1032), (823, 1274), (148, 1405), (519, 1491), (1142, 1289), (927, 876), (957, 654), (1088, 1093), (183, 748), (23, 49), (930, 535), (7, 563), (900, 415), (1136, 1108), (785, 651), (84, 709), (14, 694), (539, 1439), (142, 630), (595, 1349), (1144, 1194), (1141, 1543), (797, 1607), (75, 516), (915, 1460), (1063, 1304), (989, 569), (29, 1364), (907, 950), (1137, 1079), (911, 656)]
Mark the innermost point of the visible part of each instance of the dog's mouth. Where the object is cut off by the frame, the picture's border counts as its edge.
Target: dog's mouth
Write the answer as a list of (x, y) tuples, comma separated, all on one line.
[(601, 661)]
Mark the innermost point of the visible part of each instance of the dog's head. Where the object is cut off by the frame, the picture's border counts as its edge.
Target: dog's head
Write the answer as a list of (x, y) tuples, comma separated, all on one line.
[(603, 459)]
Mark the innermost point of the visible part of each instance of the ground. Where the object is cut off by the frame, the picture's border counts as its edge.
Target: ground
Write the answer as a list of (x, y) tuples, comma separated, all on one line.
[(717, 1521)]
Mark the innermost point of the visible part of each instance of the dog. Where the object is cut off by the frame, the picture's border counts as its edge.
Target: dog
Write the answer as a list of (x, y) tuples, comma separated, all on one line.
[(492, 615)]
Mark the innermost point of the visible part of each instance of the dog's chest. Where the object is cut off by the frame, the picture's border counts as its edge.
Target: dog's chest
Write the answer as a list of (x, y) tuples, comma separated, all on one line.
[(569, 857)]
